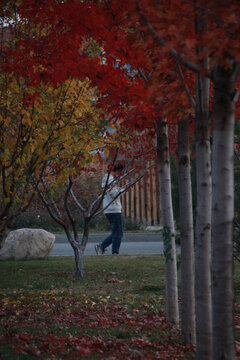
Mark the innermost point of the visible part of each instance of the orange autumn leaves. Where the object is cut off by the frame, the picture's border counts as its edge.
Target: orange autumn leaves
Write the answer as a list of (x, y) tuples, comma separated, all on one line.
[(62, 126), (58, 323)]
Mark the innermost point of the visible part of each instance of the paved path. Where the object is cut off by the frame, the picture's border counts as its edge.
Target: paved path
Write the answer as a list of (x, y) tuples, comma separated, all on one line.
[(132, 244), (127, 237)]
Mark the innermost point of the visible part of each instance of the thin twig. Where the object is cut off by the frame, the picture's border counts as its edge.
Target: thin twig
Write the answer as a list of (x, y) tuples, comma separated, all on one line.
[(68, 211), (186, 88), (124, 189)]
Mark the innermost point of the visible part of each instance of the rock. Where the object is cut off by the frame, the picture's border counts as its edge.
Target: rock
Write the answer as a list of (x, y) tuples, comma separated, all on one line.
[(154, 228), (24, 244)]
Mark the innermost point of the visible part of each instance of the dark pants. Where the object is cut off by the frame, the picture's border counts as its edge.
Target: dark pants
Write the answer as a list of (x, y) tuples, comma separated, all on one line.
[(115, 238)]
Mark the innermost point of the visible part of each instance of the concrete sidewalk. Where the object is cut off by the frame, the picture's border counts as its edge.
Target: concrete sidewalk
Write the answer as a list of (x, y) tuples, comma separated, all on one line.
[(132, 244), (127, 248), (127, 237)]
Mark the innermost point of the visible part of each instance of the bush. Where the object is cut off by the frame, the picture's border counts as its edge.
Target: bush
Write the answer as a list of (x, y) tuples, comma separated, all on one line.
[(130, 225), (236, 241), (37, 220)]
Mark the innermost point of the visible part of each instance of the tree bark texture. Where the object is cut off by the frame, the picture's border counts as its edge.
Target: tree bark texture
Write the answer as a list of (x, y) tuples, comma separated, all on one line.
[(187, 234), (204, 193), (86, 223), (78, 253), (171, 288), (6, 226), (4, 231), (79, 261), (203, 224), (222, 214)]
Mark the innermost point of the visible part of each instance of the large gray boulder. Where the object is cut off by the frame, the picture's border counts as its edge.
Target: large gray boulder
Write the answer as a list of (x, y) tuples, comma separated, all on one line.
[(24, 244)]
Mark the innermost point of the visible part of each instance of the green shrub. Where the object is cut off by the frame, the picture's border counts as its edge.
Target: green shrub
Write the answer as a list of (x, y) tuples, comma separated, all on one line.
[(236, 241), (36, 221), (44, 221)]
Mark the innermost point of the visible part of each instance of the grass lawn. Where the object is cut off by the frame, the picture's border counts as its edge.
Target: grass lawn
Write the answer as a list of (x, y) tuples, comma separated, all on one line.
[(116, 312)]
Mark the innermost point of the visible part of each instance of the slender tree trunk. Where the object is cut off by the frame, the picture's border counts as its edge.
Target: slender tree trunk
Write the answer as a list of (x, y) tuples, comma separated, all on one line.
[(79, 248), (5, 228), (223, 213), (86, 223), (203, 213), (203, 224), (4, 231), (186, 228), (171, 288), (79, 261), (78, 253)]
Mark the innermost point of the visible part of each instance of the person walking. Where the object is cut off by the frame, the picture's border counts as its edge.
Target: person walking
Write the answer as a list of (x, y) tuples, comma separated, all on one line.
[(113, 212)]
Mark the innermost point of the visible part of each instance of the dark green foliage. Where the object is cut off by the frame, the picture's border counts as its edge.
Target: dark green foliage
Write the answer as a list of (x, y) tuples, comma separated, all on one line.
[(236, 242), (130, 225), (43, 221)]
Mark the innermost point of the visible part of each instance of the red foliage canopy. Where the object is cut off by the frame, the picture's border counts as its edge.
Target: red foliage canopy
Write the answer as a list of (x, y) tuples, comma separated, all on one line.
[(152, 37)]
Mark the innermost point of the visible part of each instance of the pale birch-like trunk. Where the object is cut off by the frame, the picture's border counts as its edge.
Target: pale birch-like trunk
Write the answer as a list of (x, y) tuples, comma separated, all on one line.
[(187, 236), (171, 286), (223, 213), (203, 213), (203, 224)]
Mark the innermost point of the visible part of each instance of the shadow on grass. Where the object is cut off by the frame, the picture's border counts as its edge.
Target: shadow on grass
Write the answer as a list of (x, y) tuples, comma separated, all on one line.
[(149, 289)]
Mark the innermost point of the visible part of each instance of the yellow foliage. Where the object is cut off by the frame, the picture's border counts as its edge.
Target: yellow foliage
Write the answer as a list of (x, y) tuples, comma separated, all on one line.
[(55, 128), (60, 128)]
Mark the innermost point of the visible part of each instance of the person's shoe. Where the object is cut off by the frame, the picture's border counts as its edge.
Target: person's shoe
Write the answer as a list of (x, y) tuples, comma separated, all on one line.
[(99, 249)]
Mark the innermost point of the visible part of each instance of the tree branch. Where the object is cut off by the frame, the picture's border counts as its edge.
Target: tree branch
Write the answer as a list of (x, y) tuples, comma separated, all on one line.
[(73, 222), (124, 188), (180, 58), (48, 205), (81, 208), (186, 88)]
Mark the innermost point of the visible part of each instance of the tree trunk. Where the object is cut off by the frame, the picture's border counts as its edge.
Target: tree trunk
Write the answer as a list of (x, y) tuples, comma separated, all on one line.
[(171, 288), (223, 213), (204, 193), (79, 261), (78, 253), (86, 223), (5, 228), (186, 228), (4, 231), (203, 224)]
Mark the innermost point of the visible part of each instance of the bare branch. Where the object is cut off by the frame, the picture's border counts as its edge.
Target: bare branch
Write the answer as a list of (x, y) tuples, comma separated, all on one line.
[(81, 208), (145, 77), (124, 188), (68, 211), (107, 183), (50, 204), (186, 88), (93, 210)]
